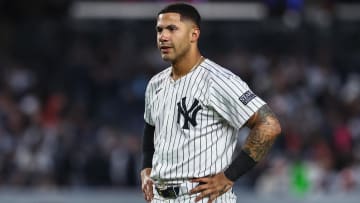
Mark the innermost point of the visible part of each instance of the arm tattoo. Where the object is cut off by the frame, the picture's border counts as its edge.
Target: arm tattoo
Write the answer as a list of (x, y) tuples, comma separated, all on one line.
[(263, 133)]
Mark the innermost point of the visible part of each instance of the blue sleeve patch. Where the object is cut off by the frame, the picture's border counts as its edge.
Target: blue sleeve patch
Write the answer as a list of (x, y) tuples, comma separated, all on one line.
[(247, 97)]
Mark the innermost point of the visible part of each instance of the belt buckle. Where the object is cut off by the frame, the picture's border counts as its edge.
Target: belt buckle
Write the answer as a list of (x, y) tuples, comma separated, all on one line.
[(161, 185), (167, 191)]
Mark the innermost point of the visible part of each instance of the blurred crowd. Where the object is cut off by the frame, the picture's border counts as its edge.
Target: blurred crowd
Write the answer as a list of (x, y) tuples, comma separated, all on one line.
[(72, 99)]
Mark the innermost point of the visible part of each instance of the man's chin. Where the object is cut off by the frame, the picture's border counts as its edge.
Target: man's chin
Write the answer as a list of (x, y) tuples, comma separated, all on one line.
[(166, 58)]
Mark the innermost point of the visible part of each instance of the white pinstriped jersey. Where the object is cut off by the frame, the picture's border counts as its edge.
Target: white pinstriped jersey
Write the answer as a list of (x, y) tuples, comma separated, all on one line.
[(196, 119)]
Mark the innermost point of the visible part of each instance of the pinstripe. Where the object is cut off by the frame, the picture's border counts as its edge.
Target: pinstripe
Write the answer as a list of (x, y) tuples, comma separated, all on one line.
[(202, 89), (194, 141), (188, 143), (173, 126), (169, 135), (226, 160), (183, 154), (216, 150), (161, 138)]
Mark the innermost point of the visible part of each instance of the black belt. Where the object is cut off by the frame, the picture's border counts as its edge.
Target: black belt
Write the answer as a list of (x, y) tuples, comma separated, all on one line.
[(168, 191)]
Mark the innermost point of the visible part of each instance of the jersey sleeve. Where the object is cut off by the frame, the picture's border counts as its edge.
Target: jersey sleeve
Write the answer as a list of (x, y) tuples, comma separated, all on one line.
[(147, 110), (232, 98)]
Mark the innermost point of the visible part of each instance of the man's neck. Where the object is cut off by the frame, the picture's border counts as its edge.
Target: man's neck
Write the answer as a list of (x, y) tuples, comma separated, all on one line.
[(185, 65)]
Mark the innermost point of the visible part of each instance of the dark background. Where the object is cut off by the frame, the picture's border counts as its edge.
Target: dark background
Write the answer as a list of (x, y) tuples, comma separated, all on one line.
[(72, 94)]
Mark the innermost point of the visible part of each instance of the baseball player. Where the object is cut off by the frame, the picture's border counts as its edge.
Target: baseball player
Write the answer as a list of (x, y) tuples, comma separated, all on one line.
[(193, 111)]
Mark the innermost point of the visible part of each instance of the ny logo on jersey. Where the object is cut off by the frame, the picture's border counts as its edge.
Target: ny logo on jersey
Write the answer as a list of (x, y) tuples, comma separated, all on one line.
[(182, 110)]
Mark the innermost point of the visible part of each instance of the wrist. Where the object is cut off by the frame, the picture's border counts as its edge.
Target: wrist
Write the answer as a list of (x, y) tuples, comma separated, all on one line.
[(240, 165), (146, 171), (226, 178)]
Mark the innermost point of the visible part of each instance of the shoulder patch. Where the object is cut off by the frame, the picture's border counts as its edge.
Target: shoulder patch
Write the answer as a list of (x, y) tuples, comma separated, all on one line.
[(247, 97)]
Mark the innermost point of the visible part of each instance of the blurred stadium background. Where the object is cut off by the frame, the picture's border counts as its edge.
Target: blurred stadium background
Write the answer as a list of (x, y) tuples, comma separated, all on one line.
[(72, 81)]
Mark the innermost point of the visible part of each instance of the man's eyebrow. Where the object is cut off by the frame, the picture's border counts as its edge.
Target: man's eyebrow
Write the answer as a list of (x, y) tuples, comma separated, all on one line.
[(171, 26)]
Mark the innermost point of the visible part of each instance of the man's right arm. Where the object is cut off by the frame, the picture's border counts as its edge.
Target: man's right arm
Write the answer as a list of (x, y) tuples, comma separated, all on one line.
[(148, 153)]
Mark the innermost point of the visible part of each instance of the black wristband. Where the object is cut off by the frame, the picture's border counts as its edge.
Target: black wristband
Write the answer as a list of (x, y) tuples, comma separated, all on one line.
[(148, 146), (239, 166), (147, 160)]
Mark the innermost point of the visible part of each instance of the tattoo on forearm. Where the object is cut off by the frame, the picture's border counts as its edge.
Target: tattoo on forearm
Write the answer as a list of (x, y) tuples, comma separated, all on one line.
[(262, 134)]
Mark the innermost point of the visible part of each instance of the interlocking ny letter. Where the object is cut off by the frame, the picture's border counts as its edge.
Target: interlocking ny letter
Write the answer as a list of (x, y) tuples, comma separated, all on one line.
[(182, 110)]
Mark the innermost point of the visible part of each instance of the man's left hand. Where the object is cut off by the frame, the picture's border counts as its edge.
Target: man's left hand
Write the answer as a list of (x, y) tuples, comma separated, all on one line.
[(211, 187)]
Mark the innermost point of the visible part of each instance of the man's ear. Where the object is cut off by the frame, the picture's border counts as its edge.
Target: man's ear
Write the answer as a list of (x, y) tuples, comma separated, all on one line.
[(195, 34)]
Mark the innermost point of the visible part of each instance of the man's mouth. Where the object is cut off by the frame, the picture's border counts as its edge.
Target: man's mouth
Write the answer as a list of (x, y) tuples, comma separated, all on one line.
[(165, 48)]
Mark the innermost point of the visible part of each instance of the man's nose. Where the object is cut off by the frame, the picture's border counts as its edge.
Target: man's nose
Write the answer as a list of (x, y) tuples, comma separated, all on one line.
[(163, 37)]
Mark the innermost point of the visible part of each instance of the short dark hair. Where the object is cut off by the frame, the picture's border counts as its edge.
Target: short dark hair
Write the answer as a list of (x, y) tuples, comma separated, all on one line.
[(186, 11)]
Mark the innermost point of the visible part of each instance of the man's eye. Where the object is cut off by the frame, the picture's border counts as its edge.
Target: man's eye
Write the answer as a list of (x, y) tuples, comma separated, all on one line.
[(172, 28)]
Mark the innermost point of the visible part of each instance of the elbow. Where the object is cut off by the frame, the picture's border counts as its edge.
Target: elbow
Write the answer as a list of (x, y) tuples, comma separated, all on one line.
[(273, 127), (276, 128)]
